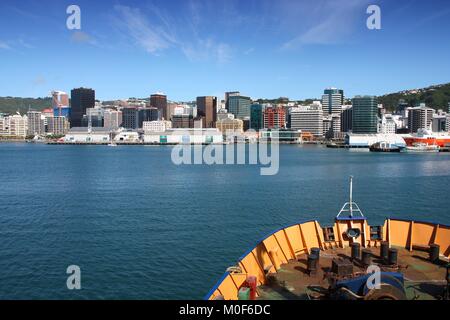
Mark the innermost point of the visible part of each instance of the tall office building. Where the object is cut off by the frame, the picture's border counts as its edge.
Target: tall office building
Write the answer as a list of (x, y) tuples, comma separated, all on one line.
[(332, 101), (239, 106), (256, 116), (130, 118), (274, 118), (420, 118), (147, 114), (159, 101), (36, 125), (346, 118), (307, 119), (365, 114), (228, 95), (207, 109), (81, 99)]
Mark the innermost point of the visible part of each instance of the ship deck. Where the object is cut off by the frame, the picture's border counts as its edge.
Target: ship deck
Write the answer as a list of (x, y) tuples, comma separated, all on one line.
[(423, 279)]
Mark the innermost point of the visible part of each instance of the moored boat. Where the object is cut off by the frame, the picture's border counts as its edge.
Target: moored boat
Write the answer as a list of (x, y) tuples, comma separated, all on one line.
[(384, 146), (422, 147), (308, 261)]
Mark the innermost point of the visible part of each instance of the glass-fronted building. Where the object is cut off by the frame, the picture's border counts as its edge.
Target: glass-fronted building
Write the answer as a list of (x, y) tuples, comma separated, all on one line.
[(365, 114), (256, 116), (239, 106)]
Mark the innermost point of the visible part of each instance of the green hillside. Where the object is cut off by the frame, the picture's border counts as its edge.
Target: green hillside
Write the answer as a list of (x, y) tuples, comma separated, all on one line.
[(14, 104), (436, 97)]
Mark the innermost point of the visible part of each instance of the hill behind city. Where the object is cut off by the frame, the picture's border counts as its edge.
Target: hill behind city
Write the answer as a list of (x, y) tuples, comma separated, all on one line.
[(435, 96)]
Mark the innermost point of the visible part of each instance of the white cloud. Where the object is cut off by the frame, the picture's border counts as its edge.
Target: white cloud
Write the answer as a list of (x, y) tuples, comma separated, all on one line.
[(155, 31), (152, 38), (328, 22), (4, 45)]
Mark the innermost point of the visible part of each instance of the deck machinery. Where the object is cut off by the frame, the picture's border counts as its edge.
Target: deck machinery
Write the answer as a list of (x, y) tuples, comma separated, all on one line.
[(399, 260)]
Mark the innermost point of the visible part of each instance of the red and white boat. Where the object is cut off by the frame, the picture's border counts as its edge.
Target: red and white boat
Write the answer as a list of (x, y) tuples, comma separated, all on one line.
[(427, 137)]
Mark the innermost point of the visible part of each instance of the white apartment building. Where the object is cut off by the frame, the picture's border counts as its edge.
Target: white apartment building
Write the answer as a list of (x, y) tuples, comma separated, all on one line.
[(15, 126), (307, 119), (387, 124), (156, 126), (112, 119)]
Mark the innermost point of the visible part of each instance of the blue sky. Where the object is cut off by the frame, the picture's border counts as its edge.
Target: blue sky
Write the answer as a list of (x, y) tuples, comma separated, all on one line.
[(187, 48)]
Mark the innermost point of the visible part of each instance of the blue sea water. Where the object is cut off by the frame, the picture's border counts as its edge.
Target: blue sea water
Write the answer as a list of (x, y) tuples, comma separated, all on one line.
[(141, 227)]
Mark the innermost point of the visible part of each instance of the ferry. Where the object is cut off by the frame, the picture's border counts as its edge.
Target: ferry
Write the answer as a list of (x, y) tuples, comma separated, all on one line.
[(307, 261), (426, 136)]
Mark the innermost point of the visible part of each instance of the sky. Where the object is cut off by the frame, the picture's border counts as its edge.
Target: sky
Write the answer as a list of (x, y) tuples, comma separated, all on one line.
[(189, 48)]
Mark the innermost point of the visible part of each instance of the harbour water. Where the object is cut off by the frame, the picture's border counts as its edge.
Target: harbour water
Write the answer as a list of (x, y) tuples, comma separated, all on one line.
[(141, 227)]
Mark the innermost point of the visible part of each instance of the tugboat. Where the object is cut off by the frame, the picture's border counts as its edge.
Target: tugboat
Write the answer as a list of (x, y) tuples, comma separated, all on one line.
[(384, 146), (352, 260)]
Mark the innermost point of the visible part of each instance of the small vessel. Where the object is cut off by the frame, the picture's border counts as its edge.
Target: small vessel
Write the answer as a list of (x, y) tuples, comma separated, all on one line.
[(111, 141), (350, 259), (423, 147), (428, 137), (384, 146)]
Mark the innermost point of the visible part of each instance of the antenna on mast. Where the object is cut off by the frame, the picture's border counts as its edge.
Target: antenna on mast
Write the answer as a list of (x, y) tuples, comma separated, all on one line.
[(350, 206)]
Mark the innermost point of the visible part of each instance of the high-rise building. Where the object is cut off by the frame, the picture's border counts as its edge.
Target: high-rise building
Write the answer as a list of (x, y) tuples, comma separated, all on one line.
[(15, 126), (130, 118), (81, 100), (36, 124), (207, 109), (112, 119), (159, 101), (274, 118), (147, 114), (308, 119), (60, 104), (420, 118), (256, 116), (387, 124), (93, 118), (239, 106), (58, 125), (332, 101), (346, 118), (228, 95), (365, 114), (439, 122)]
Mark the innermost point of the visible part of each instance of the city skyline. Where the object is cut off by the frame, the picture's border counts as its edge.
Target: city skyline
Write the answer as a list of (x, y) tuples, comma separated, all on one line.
[(198, 48)]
